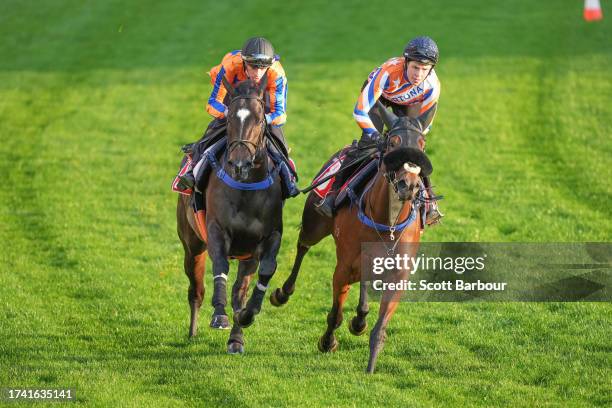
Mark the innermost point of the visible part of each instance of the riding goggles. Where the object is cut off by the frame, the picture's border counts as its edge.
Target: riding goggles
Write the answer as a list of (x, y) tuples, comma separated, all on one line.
[(258, 60)]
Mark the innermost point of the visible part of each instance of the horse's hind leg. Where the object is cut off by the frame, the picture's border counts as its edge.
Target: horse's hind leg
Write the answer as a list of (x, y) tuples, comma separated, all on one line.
[(341, 286), (235, 344), (314, 228), (267, 267), (358, 324), (195, 268), (194, 263)]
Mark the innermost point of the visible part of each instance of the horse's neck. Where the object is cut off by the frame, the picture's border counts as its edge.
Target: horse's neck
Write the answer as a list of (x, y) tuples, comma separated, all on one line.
[(381, 204)]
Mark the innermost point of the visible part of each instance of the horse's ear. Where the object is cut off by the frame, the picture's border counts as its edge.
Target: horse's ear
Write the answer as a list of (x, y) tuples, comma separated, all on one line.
[(228, 86), (389, 118), (263, 85), (424, 120)]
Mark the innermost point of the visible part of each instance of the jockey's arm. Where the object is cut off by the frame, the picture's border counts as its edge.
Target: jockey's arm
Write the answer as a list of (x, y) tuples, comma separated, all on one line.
[(428, 108), (215, 105), (277, 92), (368, 97)]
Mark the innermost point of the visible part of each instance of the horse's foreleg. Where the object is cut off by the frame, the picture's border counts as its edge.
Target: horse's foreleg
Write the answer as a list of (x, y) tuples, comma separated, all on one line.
[(379, 333), (235, 344), (388, 304), (281, 295), (218, 255), (341, 286), (267, 267), (314, 228), (241, 286), (358, 324)]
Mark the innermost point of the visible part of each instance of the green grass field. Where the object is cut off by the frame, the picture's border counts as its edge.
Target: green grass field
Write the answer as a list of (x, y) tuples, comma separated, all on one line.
[(97, 96)]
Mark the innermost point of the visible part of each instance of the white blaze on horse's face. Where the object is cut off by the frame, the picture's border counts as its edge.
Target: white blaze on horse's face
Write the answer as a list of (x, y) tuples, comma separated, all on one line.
[(242, 114), (412, 168)]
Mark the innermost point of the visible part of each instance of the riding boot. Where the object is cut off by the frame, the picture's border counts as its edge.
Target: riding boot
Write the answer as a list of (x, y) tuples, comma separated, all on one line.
[(187, 180), (287, 172), (433, 215), (277, 147), (327, 206), (290, 188), (214, 130), (200, 163)]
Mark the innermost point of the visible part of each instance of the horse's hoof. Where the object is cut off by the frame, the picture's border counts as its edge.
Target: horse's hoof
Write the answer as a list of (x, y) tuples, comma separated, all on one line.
[(278, 298), (220, 322), (244, 319), (357, 331), (328, 348), (235, 347)]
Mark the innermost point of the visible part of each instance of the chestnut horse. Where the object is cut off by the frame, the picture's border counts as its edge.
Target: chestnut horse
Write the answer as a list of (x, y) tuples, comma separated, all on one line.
[(398, 176), (243, 218)]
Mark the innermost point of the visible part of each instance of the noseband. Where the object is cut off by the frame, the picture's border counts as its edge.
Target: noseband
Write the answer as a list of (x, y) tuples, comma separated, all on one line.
[(391, 177)]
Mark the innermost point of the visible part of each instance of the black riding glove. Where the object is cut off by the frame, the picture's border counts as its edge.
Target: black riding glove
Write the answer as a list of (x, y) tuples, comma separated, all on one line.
[(369, 141)]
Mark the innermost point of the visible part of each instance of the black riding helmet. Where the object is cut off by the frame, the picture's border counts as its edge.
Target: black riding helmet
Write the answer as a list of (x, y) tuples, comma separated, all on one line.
[(422, 49), (258, 52)]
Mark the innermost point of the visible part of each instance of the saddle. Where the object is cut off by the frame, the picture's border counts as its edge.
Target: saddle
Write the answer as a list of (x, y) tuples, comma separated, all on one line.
[(356, 181), (210, 160), (183, 168)]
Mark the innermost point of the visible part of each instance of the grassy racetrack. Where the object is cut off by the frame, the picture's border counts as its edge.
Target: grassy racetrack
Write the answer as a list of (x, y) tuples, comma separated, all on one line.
[(97, 96)]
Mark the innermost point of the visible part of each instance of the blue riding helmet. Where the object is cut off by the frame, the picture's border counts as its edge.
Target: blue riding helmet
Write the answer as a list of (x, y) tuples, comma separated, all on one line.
[(422, 49)]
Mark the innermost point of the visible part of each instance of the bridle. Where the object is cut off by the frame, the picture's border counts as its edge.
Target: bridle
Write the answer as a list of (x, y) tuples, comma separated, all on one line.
[(391, 175), (253, 148)]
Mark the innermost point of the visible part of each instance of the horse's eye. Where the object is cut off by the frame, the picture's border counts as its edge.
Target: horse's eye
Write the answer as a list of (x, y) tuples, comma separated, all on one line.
[(395, 141)]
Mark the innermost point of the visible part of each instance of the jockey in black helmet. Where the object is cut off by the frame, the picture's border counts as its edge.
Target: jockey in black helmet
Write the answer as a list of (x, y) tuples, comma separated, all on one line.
[(256, 60)]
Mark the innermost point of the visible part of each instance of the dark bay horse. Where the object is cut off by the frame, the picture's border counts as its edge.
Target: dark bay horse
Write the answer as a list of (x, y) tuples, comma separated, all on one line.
[(243, 218), (398, 177)]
